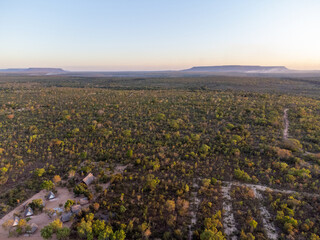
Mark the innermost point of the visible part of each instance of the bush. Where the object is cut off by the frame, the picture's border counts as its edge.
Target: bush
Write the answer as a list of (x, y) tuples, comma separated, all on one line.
[(39, 172), (81, 188), (292, 144), (211, 235), (63, 233), (47, 185), (56, 225), (37, 204), (69, 203), (242, 175), (47, 232)]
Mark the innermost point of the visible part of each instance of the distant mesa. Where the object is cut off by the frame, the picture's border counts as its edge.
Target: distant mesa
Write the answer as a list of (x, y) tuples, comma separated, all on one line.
[(239, 69), (35, 71)]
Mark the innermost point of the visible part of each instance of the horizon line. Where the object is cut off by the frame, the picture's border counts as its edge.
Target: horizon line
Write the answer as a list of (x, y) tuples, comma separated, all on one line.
[(72, 69)]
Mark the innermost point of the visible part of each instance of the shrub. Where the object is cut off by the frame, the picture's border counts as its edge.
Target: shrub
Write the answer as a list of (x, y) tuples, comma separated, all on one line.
[(39, 172), (37, 204), (242, 175), (63, 233), (81, 188), (47, 185), (47, 232), (69, 203)]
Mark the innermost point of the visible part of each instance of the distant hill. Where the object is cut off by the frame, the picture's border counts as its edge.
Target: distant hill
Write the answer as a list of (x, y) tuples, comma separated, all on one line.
[(239, 69), (36, 71)]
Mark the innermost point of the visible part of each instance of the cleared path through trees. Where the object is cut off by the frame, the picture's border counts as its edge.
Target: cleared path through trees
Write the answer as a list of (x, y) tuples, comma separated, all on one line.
[(195, 201), (286, 124), (229, 223)]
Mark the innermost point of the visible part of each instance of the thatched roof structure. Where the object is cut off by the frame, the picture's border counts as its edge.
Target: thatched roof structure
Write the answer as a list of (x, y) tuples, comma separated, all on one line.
[(88, 179), (66, 217), (75, 209), (84, 201), (34, 228)]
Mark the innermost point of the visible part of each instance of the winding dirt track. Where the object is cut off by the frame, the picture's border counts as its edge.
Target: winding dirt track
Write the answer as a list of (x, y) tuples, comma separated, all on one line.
[(229, 223), (286, 124), (271, 231), (268, 224), (195, 201), (264, 188)]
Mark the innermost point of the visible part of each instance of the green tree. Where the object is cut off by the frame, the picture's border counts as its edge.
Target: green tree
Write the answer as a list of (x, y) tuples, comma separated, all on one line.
[(204, 149), (39, 172), (130, 153), (56, 224), (118, 235), (63, 233), (85, 227), (152, 182), (98, 226), (37, 204), (211, 235), (122, 209), (47, 185), (47, 232), (106, 233), (69, 203), (253, 225)]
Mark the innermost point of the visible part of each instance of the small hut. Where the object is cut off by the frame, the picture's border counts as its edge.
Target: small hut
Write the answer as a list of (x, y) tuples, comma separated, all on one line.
[(75, 209), (66, 217), (29, 212), (57, 211), (51, 196), (88, 179), (34, 228), (84, 201), (15, 221)]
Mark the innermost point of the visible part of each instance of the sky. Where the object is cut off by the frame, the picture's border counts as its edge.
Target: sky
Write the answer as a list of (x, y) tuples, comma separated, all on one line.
[(120, 35)]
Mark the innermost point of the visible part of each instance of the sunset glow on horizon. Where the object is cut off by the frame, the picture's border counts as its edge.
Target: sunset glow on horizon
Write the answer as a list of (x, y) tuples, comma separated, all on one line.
[(158, 35)]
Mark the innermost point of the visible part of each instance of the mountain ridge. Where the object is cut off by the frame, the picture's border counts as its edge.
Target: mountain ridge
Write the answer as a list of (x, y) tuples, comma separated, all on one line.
[(239, 68), (33, 70)]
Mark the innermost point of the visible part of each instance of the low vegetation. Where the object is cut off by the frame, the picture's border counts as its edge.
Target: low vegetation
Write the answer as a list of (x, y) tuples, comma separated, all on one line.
[(56, 132)]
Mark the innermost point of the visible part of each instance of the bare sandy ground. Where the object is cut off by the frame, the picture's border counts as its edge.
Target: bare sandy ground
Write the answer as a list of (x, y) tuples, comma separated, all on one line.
[(229, 223), (118, 169), (42, 219), (268, 224), (264, 188)]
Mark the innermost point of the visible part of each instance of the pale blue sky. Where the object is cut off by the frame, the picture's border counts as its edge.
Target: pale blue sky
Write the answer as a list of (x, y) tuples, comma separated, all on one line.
[(158, 34)]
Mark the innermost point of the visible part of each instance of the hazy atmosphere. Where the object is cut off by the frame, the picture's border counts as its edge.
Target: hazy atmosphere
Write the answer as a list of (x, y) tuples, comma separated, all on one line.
[(160, 120), (158, 35)]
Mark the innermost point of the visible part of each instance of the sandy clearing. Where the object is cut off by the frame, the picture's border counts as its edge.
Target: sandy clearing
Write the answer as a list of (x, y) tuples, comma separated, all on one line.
[(268, 224), (42, 219), (118, 170)]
